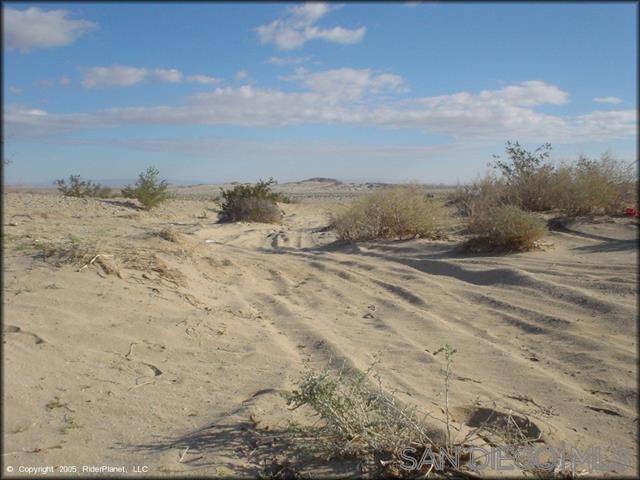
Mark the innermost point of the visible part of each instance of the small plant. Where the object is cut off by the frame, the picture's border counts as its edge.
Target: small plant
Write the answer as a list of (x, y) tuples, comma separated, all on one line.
[(69, 251), (358, 416), (148, 190), (398, 212), (507, 227), (359, 419), (449, 352), (251, 203), (81, 188), (68, 424), (170, 234)]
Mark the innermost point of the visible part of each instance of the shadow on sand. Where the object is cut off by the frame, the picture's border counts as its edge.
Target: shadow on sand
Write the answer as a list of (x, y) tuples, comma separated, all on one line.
[(247, 450), (123, 203)]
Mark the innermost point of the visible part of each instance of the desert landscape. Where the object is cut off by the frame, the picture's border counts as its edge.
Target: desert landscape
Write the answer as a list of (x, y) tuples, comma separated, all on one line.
[(164, 339), (306, 240)]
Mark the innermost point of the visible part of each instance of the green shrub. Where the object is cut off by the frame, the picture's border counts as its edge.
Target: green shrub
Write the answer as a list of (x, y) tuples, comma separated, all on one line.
[(251, 203), (357, 417), (506, 227), (527, 177), (148, 190), (82, 188), (398, 212)]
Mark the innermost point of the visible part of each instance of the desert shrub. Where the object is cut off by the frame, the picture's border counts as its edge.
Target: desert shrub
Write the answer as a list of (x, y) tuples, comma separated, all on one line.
[(357, 416), (398, 212), (528, 180), (148, 190), (506, 227), (282, 198), (592, 186), (68, 251), (170, 235), (251, 203), (482, 194), (81, 188), (527, 176)]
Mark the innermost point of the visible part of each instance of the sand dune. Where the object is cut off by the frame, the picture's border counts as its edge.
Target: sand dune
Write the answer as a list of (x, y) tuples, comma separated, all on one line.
[(172, 354)]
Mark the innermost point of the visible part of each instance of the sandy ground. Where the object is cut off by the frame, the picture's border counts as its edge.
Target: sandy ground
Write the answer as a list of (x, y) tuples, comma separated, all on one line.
[(171, 354)]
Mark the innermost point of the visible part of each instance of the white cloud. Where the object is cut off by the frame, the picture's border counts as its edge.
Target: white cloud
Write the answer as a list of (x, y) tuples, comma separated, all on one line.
[(15, 90), (167, 75), (204, 79), (611, 100), (286, 61), (348, 83), (605, 125), (528, 94), (33, 28), (360, 97), (125, 76), (241, 75), (64, 81), (113, 76), (297, 27)]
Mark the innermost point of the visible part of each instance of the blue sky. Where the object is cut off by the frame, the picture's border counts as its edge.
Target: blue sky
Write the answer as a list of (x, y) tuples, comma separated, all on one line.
[(403, 91)]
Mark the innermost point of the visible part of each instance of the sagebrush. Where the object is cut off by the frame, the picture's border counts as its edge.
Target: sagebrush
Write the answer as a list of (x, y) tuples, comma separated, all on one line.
[(395, 213), (251, 203), (148, 190)]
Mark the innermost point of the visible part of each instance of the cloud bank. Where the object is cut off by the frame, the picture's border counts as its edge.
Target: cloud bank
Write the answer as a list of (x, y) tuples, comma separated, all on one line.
[(352, 97), (34, 28)]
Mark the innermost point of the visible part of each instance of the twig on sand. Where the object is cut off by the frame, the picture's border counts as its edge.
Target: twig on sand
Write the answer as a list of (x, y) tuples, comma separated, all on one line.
[(141, 384), (183, 454), (130, 349), (90, 263)]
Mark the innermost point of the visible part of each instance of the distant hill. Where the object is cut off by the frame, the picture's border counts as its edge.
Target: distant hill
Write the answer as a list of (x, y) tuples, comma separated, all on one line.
[(322, 180)]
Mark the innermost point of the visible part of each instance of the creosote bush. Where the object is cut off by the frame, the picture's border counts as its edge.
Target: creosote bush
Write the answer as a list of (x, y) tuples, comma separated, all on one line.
[(251, 203), (506, 227), (394, 213), (81, 188), (148, 190)]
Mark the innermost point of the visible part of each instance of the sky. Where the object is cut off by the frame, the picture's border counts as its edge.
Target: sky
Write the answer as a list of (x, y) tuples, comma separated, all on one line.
[(212, 92)]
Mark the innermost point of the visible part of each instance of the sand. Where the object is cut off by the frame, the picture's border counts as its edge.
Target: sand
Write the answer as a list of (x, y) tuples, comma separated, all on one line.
[(169, 352)]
